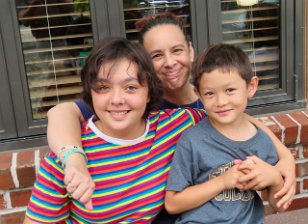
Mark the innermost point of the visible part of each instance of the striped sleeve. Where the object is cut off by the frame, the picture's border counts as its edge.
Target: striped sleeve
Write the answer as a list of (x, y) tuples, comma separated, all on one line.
[(182, 118), (49, 202), (196, 115)]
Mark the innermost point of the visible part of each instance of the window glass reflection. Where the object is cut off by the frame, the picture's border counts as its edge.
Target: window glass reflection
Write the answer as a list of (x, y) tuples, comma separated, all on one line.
[(56, 38), (256, 29)]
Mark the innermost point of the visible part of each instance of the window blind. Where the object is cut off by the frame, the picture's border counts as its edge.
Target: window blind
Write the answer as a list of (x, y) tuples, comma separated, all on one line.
[(56, 38), (256, 29)]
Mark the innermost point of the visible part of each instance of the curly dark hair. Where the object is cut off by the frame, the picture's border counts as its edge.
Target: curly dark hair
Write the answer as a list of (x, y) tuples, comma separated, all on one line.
[(152, 20)]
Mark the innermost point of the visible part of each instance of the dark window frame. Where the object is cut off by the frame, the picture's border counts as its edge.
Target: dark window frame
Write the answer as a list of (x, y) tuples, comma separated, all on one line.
[(7, 123)]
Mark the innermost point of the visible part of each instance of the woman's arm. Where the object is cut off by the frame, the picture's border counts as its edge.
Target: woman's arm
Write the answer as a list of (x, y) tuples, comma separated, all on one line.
[(286, 166), (274, 188), (64, 129), (64, 126)]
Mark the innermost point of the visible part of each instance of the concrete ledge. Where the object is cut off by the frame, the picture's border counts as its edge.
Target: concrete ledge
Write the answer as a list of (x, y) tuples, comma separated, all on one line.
[(293, 217)]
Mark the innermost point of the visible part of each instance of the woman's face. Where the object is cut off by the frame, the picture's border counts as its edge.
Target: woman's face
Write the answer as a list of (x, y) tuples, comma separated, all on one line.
[(171, 55)]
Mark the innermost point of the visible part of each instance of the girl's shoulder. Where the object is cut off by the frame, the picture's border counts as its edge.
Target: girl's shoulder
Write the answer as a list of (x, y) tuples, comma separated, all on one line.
[(183, 110), (178, 114)]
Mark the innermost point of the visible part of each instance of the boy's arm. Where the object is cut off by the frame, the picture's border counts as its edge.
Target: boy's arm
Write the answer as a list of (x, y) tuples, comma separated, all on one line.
[(64, 129), (195, 196), (286, 166)]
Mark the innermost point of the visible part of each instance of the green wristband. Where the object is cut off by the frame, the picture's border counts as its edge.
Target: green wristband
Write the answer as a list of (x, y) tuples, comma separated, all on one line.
[(70, 152)]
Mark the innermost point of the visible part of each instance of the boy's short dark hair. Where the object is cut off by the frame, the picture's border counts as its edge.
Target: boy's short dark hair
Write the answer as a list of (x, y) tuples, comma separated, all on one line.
[(224, 57), (113, 49)]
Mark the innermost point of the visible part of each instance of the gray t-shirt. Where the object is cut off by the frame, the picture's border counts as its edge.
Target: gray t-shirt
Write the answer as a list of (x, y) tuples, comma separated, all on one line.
[(203, 153)]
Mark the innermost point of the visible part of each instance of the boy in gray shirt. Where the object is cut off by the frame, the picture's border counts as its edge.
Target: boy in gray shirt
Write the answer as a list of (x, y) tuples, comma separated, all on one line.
[(221, 162)]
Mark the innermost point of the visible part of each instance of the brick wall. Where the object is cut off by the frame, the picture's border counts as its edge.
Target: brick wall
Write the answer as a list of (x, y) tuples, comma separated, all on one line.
[(18, 169), (292, 130), (17, 174)]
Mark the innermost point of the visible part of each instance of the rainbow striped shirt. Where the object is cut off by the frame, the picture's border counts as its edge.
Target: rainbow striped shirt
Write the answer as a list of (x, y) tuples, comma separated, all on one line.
[(130, 176)]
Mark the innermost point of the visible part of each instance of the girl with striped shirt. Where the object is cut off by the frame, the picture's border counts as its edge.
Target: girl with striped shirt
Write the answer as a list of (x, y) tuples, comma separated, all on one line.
[(128, 144)]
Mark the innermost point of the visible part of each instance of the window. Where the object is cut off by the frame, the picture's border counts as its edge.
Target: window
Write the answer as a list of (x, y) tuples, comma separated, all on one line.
[(264, 29), (256, 29), (44, 45), (56, 37), (270, 34)]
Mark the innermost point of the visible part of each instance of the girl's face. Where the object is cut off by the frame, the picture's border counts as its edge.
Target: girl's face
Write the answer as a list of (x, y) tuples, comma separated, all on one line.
[(171, 55), (119, 100)]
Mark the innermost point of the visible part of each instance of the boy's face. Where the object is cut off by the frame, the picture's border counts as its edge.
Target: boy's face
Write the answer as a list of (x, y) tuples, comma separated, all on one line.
[(119, 100), (225, 96)]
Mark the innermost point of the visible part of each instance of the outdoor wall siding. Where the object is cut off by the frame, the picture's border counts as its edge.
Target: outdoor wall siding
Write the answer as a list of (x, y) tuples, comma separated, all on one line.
[(18, 169)]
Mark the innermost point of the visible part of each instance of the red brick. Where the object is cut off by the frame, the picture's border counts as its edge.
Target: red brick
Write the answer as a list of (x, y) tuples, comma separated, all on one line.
[(302, 169), (25, 158), (296, 170), (305, 184), (26, 176), (298, 188), (20, 198), (298, 203), (291, 128), (294, 151), (302, 118), (6, 180), (12, 218), (5, 160), (26, 168), (269, 122), (2, 202), (305, 151)]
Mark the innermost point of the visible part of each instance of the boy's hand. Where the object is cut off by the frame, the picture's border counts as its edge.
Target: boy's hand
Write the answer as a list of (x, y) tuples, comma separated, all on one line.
[(247, 161), (260, 175), (78, 180), (231, 178)]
